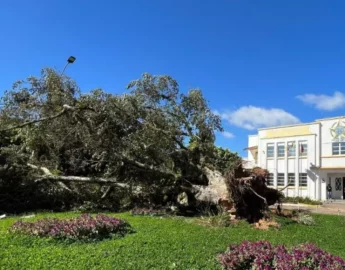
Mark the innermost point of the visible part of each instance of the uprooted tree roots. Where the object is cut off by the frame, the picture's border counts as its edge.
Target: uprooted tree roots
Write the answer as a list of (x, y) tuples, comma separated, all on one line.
[(251, 196)]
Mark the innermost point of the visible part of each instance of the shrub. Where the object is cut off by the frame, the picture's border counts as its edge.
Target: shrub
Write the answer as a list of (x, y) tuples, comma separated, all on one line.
[(80, 228), (305, 200), (220, 218), (261, 255), (305, 219)]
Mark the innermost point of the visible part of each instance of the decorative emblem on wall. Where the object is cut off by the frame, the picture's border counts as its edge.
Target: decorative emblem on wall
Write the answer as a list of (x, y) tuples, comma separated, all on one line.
[(338, 131)]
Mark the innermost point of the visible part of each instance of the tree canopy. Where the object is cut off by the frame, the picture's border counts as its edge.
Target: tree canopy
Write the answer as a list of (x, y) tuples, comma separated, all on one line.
[(153, 138)]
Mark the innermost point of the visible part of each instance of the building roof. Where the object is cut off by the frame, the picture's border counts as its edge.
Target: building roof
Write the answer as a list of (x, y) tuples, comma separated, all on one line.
[(251, 148), (304, 124), (285, 126), (330, 118)]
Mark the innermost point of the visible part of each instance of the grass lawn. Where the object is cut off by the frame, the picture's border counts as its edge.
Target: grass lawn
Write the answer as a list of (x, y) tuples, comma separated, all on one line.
[(158, 243)]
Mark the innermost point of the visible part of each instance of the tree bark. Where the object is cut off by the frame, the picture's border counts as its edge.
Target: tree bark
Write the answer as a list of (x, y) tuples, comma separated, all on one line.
[(106, 192), (48, 176), (81, 179), (47, 172)]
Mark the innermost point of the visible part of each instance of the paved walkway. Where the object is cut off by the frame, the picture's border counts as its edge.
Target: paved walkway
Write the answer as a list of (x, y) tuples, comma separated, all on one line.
[(331, 208)]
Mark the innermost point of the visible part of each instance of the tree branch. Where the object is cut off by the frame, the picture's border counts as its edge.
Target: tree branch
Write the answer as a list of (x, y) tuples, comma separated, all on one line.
[(106, 192), (47, 172), (284, 187), (81, 179), (64, 110), (258, 195), (144, 166)]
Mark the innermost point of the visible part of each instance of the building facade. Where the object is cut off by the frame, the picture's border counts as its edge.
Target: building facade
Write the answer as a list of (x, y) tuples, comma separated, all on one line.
[(306, 157)]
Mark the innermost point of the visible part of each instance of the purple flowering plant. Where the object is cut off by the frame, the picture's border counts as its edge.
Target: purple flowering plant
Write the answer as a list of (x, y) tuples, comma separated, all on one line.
[(83, 227), (261, 255)]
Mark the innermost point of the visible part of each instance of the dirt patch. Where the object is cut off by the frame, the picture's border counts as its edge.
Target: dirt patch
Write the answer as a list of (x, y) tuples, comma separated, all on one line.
[(263, 224), (284, 213)]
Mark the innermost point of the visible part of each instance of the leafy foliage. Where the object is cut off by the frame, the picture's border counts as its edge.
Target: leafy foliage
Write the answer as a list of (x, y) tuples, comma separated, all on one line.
[(304, 200), (305, 219), (262, 255), (84, 227), (225, 161), (153, 140)]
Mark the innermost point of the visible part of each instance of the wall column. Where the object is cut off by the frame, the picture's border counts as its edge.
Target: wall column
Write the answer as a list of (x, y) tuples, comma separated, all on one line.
[(319, 181), (286, 168), (297, 169), (275, 163)]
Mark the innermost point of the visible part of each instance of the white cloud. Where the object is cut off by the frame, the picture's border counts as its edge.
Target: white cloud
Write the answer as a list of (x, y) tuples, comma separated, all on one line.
[(216, 112), (324, 102), (251, 117), (228, 134)]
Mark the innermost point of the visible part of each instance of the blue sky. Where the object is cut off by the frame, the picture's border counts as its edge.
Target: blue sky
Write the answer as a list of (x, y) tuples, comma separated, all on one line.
[(259, 63)]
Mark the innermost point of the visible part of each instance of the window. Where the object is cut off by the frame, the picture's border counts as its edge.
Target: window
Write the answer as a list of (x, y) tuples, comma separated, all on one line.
[(270, 150), (270, 179), (280, 179), (338, 148), (281, 150), (303, 149), (338, 183), (291, 149), (291, 179), (303, 182)]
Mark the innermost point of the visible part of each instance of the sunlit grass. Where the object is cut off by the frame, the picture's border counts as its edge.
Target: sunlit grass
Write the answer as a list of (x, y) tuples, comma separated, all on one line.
[(158, 243)]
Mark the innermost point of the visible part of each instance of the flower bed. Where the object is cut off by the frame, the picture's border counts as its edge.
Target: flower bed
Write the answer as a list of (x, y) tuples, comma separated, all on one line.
[(82, 227), (262, 255)]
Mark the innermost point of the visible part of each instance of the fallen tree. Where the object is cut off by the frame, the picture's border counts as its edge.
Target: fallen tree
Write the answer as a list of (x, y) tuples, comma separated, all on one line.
[(95, 144)]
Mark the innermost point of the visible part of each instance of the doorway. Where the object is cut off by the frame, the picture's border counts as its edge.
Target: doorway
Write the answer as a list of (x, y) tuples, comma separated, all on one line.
[(343, 188)]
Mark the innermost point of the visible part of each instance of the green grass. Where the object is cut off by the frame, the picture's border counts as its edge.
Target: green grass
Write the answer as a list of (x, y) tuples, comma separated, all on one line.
[(158, 243)]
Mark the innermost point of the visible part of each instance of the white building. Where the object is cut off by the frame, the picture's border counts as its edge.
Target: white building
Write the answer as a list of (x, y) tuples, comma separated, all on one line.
[(308, 156)]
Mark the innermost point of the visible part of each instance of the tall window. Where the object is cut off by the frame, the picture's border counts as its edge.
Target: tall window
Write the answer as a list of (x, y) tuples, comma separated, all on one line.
[(281, 150), (337, 183), (280, 179), (338, 148), (291, 179), (303, 149), (291, 149), (303, 182), (270, 150), (270, 179)]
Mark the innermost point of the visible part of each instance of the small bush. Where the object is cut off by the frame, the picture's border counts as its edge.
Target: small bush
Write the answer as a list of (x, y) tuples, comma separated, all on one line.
[(220, 218), (80, 228), (305, 219), (262, 255), (305, 200)]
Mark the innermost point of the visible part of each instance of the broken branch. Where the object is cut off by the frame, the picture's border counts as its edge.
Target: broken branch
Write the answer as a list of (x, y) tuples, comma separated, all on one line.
[(47, 172)]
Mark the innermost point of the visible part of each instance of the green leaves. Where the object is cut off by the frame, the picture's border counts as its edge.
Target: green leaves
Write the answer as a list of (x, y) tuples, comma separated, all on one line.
[(139, 137)]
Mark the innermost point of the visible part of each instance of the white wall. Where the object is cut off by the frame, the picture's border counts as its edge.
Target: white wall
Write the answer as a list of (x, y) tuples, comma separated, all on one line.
[(252, 141), (294, 164), (319, 155), (327, 159)]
